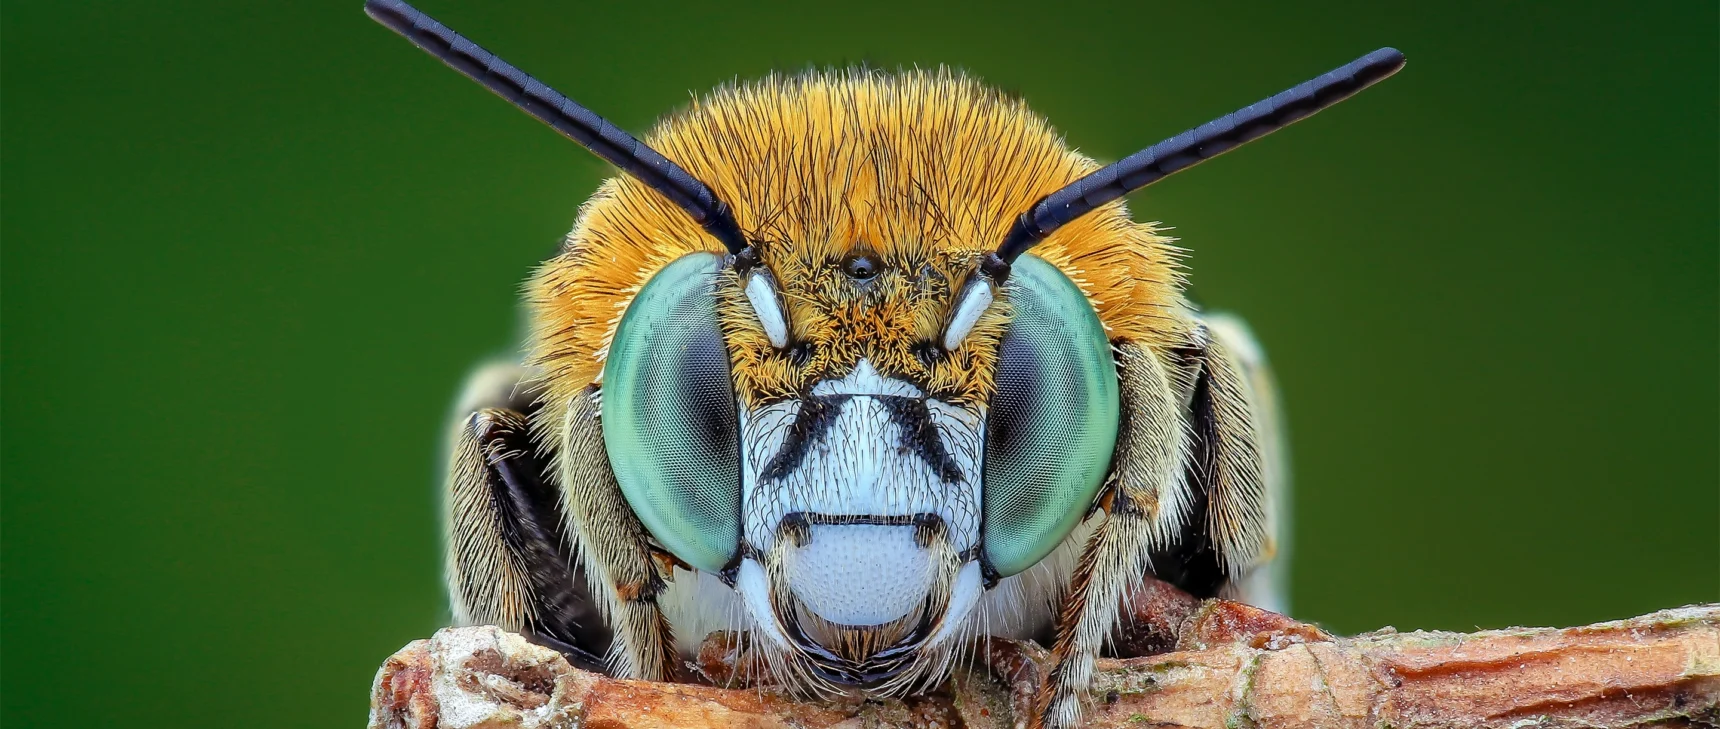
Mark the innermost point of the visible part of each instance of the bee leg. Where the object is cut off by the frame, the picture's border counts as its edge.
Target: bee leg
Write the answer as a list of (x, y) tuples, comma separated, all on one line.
[(630, 572), (509, 562), (1144, 503), (1264, 585), (1228, 530)]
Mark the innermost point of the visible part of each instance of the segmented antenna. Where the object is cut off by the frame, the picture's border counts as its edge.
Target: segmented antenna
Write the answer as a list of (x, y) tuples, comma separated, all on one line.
[(1193, 147), (564, 115)]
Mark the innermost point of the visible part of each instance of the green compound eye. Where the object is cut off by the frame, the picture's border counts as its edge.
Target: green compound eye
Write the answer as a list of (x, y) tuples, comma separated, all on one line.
[(669, 419), (1053, 418)]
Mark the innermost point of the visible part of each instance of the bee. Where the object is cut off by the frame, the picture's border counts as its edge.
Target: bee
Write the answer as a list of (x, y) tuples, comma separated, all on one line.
[(866, 365)]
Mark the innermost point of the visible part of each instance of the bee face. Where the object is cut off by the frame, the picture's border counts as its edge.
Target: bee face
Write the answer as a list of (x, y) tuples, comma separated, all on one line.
[(801, 422)]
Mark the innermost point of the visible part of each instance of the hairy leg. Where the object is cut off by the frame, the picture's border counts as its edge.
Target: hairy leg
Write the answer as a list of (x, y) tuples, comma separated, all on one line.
[(629, 571), (509, 562), (1143, 502)]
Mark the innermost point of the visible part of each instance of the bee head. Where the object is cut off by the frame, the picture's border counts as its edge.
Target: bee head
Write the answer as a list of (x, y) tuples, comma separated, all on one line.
[(854, 421), (830, 374)]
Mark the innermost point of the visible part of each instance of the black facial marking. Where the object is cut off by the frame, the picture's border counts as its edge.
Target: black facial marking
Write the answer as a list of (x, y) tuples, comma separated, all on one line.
[(810, 424), (860, 519), (928, 528), (796, 528), (920, 435), (818, 413)]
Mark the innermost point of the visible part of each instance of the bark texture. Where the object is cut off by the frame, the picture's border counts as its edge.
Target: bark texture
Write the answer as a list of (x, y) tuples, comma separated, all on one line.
[(1232, 666)]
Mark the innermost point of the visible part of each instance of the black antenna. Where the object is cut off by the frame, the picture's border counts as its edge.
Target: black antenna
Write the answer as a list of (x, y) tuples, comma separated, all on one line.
[(1190, 148), (574, 121)]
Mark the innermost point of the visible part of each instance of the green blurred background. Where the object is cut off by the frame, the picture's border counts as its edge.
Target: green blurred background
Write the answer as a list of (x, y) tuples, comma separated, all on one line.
[(250, 252)]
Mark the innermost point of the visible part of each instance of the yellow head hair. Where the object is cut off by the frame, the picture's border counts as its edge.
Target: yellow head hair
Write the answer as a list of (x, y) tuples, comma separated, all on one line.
[(924, 171)]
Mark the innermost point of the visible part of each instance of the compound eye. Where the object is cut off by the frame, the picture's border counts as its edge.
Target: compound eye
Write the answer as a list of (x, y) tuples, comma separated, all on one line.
[(669, 418), (1053, 418)]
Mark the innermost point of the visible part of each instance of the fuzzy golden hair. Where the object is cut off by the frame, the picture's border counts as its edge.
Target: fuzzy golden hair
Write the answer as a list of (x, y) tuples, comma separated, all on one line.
[(924, 170)]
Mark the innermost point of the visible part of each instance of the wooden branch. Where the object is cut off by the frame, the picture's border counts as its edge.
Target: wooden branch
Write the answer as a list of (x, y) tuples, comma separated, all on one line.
[(1233, 666)]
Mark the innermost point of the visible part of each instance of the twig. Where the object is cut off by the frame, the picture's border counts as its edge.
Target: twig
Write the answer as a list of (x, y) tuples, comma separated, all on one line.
[(1234, 667)]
